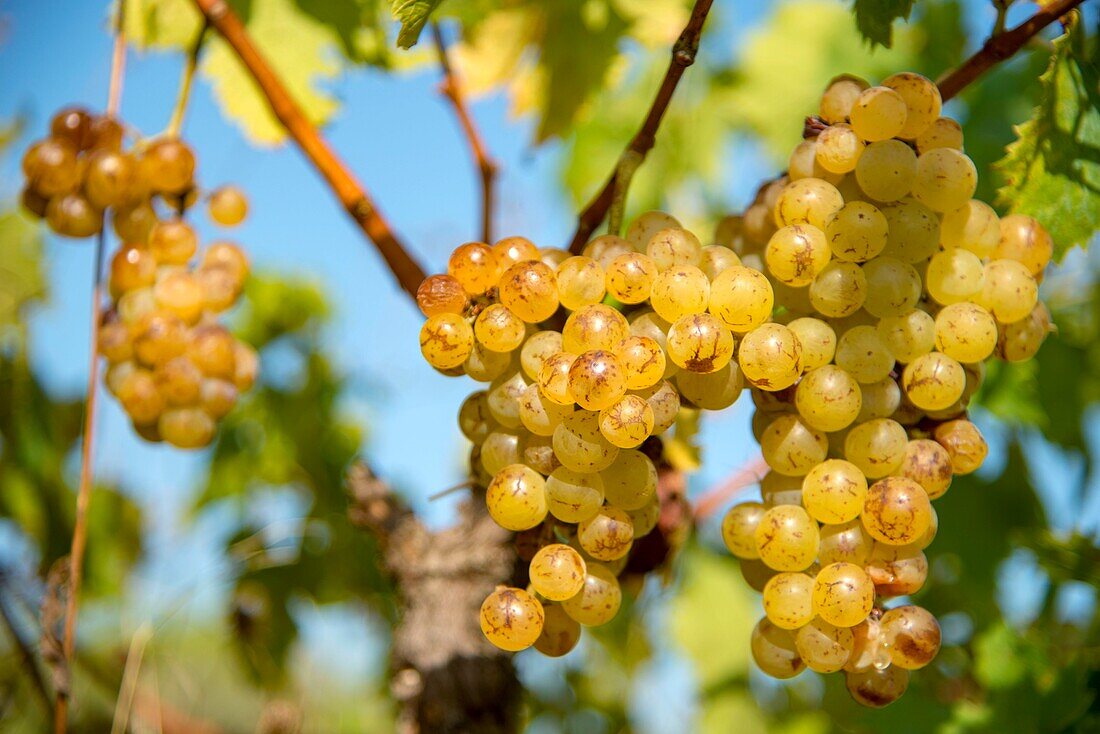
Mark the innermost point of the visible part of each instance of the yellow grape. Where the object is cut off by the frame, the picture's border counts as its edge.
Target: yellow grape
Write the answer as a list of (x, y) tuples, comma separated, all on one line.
[(665, 401), (839, 97), (846, 542), (554, 378), (1024, 240), (893, 287), (498, 329), (512, 250), (966, 332), (607, 535), (573, 496), (643, 361), (645, 518), (934, 381), (792, 447), (579, 444), (678, 291), (824, 647), (628, 422), (716, 260), (887, 170), (441, 294), (833, 492), (580, 282), (511, 618), (770, 357), (803, 163), (538, 415), (597, 380), (942, 133), (912, 634), (876, 687), (945, 180), (843, 594), (779, 489), (922, 102), (974, 226), (739, 529), (877, 447), (538, 453), (756, 573), (630, 482), (474, 266), (714, 390), (774, 650), (807, 201), (599, 599), (674, 246), (914, 231), (839, 290), (788, 600), (594, 326), (965, 444), (863, 353), (557, 572), (647, 224), (474, 419), (828, 398), (1009, 291), (839, 148), (1020, 341), (606, 248), (741, 298), (880, 399), (857, 232), (878, 113), (484, 365), (446, 340), (228, 206), (796, 254), (954, 275), (818, 341), (179, 292), (560, 632), (897, 570), (504, 397), (516, 498), (908, 335), (186, 428), (786, 538), (630, 277), (897, 511), (929, 465), (699, 343), (529, 290), (537, 349)]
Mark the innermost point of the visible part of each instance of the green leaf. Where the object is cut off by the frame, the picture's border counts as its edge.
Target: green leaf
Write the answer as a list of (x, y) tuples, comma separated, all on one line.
[(875, 19), (21, 277), (413, 15), (1052, 171), (161, 24)]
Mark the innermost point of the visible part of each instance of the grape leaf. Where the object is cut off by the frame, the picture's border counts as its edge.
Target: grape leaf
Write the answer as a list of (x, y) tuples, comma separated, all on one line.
[(413, 15), (21, 277), (161, 24), (1052, 170), (875, 19)]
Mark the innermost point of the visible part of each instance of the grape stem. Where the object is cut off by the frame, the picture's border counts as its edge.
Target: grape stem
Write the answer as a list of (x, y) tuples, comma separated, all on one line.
[(1001, 46), (683, 56), (486, 166), (748, 474), (175, 124), (355, 199)]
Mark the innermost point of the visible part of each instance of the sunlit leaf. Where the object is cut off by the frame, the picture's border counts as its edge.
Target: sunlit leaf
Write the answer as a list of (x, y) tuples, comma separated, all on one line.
[(875, 18)]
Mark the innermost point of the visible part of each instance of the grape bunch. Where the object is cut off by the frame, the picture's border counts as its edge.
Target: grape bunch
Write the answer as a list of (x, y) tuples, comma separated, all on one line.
[(174, 369), (893, 286)]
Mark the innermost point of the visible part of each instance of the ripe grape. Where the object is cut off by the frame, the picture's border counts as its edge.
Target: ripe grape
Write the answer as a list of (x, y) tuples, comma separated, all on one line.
[(665, 401), (573, 496), (945, 180), (136, 389), (554, 378), (803, 163), (607, 535), (580, 282), (839, 290), (807, 201), (878, 113), (579, 444), (228, 206), (788, 600), (913, 636), (516, 498), (839, 97), (846, 542), (628, 422), (863, 353), (796, 254), (876, 687), (897, 511), (908, 335), (441, 294), (699, 343), (484, 365), (929, 465), (630, 483), (741, 298), (186, 427), (843, 594), (529, 289), (539, 347), (717, 259), (786, 538), (474, 266), (642, 229), (818, 341), (739, 529), (678, 291), (792, 447), (594, 327), (934, 381), (834, 491), (779, 489), (774, 650), (770, 357), (168, 166), (512, 250), (893, 287), (922, 102), (974, 226), (606, 248), (179, 292), (964, 443), (965, 332), (540, 416), (1024, 240), (914, 231), (828, 398), (1008, 292), (880, 399), (500, 449), (887, 170), (557, 571), (877, 447), (51, 168), (825, 648), (714, 390), (511, 618), (942, 133), (954, 275), (597, 380), (857, 232), (560, 632), (839, 148), (1020, 341), (599, 599), (643, 361), (504, 397), (897, 570), (72, 215), (674, 246)]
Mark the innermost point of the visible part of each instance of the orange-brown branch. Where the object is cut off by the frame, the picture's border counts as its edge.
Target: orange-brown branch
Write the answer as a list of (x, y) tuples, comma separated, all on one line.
[(348, 190), (486, 166)]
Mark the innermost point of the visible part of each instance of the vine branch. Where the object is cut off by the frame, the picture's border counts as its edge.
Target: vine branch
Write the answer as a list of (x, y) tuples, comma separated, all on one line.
[(1000, 46), (358, 203), (683, 56), (487, 167), (184, 96)]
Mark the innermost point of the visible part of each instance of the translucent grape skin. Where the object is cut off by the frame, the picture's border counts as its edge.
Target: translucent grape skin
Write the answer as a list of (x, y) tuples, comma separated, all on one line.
[(516, 498), (878, 113), (843, 594), (896, 511), (934, 381), (786, 538), (597, 380), (796, 254), (825, 648), (560, 632), (877, 447), (699, 343), (887, 170), (828, 398), (628, 422), (774, 651), (446, 340), (741, 298), (857, 232), (834, 491), (630, 482), (739, 529), (529, 290), (929, 465), (876, 687), (770, 357), (511, 618), (788, 600), (913, 636), (964, 443), (599, 599), (791, 447), (557, 572), (573, 496), (607, 535)]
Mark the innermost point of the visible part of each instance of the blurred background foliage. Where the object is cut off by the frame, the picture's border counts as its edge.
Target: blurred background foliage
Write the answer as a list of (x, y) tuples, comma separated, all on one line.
[(1015, 565)]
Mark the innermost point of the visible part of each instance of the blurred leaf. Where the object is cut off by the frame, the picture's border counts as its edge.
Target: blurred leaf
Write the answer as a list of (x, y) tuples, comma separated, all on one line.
[(21, 276), (1052, 171), (413, 15), (875, 19), (682, 450), (940, 24), (161, 24)]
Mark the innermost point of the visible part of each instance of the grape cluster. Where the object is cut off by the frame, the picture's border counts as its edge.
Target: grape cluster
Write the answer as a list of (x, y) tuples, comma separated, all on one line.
[(172, 366), (893, 286)]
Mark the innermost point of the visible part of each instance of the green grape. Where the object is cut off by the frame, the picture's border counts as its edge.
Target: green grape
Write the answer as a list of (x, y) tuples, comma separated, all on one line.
[(538, 415), (965, 444), (628, 422), (779, 489), (792, 447), (597, 380), (845, 542), (573, 496), (599, 599), (839, 289), (560, 632), (863, 353), (974, 226), (642, 229), (824, 647), (441, 294), (929, 465), (643, 361), (880, 399), (498, 329), (606, 248), (912, 634), (580, 282), (699, 343), (579, 444), (908, 335), (788, 600), (887, 170), (539, 347), (828, 398), (807, 201), (741, 298), (674, 247), (186, 428), (954, 275), (1024, 240), (474, 266), (716, 260), (630, 277), (504, 397), (630, 483), (500, 449), (803, 163), (645, 518), (833, 492), (557, 572), (516, 498), (839, 97), (897, 570), (529, 290), (739, 529), (945, 180), (877, 447), (1020, 341), (511, 619), (942, 133), (474, 419), (484, 365), (878, 114), (714, 390), (922, 102), (773, 650), (818, 341), (554, 378), (179, 381), (877, 688), (665, 401), (770, 357), (608, 535), (897, 511), (843, 594), (228, 206), (1008, 291), (446, 340), (786, 538), (893, 287), (934, 381), (512, 250), (839, 148), (914, 233), (796, 254), (965, 332), (679, 291), (857, 232)]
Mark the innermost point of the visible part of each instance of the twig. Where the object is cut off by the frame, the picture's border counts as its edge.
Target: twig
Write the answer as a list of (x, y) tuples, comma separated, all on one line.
[(121, 722), (748, 474), (84, 490), (683, 56), (186, 80), (350, 192), (1001, 46), (30, 664), (486, 166), (118, 65), (468, 484)]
